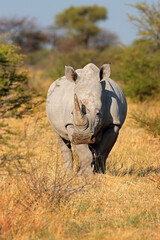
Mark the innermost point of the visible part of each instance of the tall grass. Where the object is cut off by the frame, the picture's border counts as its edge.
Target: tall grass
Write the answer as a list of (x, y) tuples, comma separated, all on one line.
[(150, 123), (40, 201)]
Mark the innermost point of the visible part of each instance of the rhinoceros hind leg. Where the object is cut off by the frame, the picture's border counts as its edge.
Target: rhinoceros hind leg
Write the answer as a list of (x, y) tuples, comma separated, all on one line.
[(65, 147), (85, 157)]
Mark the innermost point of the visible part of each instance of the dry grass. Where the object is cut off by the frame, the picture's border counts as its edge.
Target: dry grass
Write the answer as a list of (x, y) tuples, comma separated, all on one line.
[(39, 201)]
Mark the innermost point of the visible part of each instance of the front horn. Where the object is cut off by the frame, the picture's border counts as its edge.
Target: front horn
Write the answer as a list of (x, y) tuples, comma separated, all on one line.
[(80, 119)]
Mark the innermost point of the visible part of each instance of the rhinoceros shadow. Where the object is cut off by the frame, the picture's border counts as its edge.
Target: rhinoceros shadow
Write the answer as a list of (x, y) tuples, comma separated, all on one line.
[(109, 100)]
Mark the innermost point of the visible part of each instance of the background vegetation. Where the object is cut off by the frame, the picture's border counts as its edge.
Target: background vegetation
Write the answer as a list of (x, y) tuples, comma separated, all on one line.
[(38, 200)]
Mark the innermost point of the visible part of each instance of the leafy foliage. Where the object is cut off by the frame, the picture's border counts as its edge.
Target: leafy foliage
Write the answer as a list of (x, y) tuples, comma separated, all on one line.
[(147, 21), (16, 95), (80, 22), (140, 70), (77, 59)]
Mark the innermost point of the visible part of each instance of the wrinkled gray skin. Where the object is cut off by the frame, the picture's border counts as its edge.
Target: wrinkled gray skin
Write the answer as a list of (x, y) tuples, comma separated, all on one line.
[(86, 108)]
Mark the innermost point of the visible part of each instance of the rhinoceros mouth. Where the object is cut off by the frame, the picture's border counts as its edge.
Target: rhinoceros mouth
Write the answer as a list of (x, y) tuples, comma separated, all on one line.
[(78, 138)]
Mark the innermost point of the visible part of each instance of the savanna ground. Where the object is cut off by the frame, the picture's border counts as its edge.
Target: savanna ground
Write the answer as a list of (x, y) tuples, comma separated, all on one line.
[(39, 201)]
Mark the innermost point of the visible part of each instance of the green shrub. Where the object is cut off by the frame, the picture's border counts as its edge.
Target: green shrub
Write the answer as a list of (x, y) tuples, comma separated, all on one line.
[(135, 68), (40, 58), (140, 70), (77, 58), (16, 94)]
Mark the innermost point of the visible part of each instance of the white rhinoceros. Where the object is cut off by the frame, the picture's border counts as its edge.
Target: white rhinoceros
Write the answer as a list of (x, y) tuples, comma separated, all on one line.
[(86, 108)]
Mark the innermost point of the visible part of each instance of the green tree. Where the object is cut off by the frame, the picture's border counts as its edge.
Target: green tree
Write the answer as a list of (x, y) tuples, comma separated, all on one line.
[(81, 22), (16, 94), (147, 21)]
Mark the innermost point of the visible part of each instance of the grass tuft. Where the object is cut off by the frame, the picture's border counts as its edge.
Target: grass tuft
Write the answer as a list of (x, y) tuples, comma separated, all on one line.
[(151, 124)]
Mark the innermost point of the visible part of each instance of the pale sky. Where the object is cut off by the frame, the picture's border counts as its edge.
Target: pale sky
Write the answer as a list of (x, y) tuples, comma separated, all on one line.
[(45, 10)]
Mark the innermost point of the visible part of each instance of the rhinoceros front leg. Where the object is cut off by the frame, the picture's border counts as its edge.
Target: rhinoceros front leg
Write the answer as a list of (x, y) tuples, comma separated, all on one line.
[(84, 154), (65, 147), (85, 157), (103, 149)]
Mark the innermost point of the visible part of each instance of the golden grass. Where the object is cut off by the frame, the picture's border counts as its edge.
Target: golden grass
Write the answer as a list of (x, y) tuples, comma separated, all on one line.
[(39, 201)]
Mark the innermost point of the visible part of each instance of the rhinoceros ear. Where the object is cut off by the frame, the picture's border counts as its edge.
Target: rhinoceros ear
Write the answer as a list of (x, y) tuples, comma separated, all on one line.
[(105, 71), (70, 74)]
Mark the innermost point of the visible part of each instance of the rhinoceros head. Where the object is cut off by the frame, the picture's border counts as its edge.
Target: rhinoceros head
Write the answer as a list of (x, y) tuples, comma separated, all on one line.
[(87, 112)]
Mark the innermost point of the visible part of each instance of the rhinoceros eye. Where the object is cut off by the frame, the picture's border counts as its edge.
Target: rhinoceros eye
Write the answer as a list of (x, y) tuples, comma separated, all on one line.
[(97, 112)]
